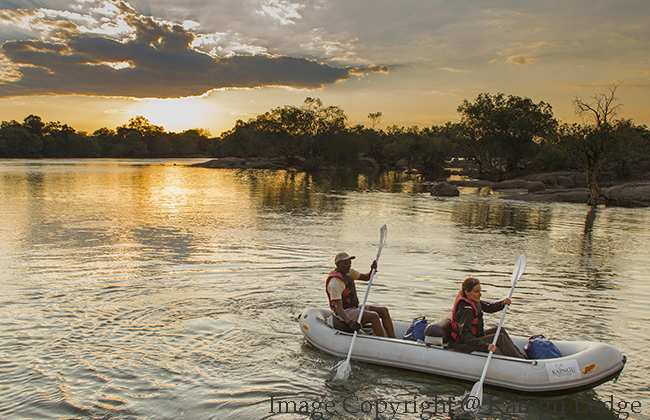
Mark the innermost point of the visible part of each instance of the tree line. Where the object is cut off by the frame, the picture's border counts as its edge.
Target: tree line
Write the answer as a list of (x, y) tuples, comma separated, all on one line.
[(501, 136), (34, 138)]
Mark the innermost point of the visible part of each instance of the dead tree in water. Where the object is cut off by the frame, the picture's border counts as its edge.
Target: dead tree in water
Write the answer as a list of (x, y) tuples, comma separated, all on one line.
[(593, 143)]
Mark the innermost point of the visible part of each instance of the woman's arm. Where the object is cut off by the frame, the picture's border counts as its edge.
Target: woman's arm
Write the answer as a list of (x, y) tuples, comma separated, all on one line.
[(493, 307)]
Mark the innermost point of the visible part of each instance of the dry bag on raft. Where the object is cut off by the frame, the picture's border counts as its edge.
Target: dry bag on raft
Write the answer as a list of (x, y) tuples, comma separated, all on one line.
[(415, 331), (539, 347)]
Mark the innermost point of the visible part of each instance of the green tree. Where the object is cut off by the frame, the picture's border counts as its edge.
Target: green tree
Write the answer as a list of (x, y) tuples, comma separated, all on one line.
[(34, 125), (501, 134), (19, 142), (424, 150), (375, 118)]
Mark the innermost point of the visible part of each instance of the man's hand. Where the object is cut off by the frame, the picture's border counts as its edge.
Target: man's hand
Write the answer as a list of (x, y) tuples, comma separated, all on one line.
[(354, 325), (373, 265)]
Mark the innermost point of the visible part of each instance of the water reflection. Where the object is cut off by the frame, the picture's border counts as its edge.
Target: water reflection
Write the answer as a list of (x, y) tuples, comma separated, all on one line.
[(487, 214), (140, 290)]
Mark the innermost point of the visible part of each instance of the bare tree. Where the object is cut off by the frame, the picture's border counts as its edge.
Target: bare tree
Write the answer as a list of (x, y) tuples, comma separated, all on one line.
[(601, 110), (596, 140)]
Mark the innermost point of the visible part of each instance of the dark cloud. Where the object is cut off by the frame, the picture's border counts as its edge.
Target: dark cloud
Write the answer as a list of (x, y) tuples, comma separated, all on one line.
[(156, 60)]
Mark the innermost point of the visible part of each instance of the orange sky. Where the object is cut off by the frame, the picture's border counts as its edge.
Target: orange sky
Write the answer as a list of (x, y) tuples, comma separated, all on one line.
[(98, 63)]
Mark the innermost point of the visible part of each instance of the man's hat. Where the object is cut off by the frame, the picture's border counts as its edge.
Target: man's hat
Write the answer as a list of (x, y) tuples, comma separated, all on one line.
[(342, 256)]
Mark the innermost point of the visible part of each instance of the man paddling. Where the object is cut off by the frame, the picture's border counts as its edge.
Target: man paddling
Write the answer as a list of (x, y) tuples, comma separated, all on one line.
[(342, 296)]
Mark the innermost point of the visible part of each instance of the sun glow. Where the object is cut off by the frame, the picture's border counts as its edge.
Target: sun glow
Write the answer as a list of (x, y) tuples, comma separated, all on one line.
[(177, 114)]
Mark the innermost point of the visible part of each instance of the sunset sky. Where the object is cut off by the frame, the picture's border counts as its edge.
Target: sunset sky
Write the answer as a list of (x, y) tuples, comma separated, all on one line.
[(207, 63)]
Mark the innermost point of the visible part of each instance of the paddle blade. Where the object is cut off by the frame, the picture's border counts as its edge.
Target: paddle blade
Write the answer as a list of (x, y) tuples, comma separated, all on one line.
[(475, 399), (520, 266), (343, 370)]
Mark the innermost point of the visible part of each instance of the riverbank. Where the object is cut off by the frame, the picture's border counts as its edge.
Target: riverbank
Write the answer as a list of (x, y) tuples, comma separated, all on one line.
[(568, 187)]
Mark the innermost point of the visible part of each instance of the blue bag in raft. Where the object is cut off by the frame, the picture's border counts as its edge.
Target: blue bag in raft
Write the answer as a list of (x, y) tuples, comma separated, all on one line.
[(415, 331), (539, 347)]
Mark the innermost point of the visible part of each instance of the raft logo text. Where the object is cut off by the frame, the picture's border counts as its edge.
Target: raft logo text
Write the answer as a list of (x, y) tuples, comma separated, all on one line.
[(430, 408)]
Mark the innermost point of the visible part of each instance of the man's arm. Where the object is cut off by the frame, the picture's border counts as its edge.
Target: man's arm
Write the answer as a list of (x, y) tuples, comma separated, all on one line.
[(338, 304), (366, 276)]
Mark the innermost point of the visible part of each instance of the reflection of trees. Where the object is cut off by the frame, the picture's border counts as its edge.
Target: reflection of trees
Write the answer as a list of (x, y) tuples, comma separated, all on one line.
[(491, 215), (319, 191), (598, 276)]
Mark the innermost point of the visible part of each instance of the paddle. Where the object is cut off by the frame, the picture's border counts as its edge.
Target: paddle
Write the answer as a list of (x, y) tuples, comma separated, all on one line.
[(475, 398), (343, 367)]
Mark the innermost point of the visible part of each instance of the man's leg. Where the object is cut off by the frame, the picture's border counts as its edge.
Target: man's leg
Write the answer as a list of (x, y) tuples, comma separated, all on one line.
[(385, 318)]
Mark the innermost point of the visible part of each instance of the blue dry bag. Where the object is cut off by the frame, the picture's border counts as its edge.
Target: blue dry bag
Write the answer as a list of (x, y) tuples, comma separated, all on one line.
[(415, 331), (539, 347)]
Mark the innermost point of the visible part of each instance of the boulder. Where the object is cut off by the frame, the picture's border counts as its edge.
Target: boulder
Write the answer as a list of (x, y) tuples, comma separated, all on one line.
[(503, 185), (536, 186), (471, 183), (580, 180), (402, 164), (565, 181), (519, 183), (444, 189), (637, 191)]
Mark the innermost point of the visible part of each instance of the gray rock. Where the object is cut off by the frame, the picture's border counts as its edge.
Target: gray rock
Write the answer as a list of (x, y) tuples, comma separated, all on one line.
[(575, 196), (503, 185), (638, 191), (536, 186), (471, 183), (519, 183), (580, 180), (565, 181), (444, 189)]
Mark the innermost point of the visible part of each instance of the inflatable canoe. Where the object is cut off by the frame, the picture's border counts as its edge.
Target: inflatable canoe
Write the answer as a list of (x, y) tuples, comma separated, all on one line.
[(583, 364)]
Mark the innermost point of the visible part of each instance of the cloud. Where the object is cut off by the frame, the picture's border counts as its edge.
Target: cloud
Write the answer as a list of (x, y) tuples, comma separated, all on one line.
[(112, 50), (520, 59)]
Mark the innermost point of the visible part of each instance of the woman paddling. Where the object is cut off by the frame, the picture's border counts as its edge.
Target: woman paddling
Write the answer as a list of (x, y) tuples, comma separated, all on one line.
[(467, 332)]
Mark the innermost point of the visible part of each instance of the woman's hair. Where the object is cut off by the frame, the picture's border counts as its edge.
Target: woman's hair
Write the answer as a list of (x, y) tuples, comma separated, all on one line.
[(468, 285)]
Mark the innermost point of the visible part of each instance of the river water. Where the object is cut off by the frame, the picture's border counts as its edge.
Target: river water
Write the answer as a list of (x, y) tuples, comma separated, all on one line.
[(152, 290)]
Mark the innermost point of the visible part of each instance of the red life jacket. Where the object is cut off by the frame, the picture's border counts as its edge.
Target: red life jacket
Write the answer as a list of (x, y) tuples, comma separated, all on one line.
[(349, 294), (455, 333)]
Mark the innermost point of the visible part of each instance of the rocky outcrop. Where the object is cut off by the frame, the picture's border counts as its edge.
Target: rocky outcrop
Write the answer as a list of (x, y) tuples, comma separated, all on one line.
[(567, 187), (243, 163), (580, 195)]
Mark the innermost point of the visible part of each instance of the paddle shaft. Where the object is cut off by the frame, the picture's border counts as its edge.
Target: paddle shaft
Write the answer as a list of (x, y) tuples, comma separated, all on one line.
[(520, 266), (496, 335), (382, 241)]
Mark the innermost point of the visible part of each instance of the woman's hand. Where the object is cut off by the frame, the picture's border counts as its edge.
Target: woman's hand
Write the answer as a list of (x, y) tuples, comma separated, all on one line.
[(507, 301), (492, 348)]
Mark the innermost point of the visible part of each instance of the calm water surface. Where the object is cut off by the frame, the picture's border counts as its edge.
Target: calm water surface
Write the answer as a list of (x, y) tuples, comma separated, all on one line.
[(151, 290)]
